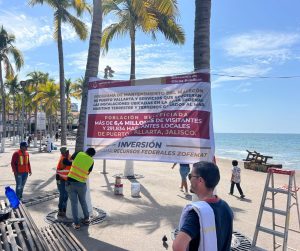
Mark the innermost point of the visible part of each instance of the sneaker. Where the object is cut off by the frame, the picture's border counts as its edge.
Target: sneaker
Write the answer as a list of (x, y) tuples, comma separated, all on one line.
[(242, 196), (75, 226), (86, 221), (61, 214)]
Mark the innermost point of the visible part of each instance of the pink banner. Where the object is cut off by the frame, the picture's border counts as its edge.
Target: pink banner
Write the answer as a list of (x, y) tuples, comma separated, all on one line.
[(186, 124)]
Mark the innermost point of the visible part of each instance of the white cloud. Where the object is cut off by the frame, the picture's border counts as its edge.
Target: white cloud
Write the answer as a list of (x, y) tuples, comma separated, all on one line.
[(266, 47), (147, 58), (32, 32), (29, 32)]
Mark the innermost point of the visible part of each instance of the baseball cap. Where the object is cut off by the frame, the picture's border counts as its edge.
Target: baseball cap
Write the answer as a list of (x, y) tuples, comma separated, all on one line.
[(63, 149), (23, 144)]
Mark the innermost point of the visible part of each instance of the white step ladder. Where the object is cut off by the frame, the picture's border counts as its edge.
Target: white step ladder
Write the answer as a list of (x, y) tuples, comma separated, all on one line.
[(291, 191)]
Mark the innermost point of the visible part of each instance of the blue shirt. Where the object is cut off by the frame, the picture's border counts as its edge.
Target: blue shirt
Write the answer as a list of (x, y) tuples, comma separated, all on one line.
[(223, 221)]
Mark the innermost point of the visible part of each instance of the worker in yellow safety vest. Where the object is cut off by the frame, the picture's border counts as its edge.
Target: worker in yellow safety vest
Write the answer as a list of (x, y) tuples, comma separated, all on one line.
[(76, 187), (62, 171)]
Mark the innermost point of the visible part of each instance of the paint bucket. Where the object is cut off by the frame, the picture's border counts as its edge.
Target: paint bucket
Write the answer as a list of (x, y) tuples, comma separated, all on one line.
[(135, 189), (118, 189), (118, 186)]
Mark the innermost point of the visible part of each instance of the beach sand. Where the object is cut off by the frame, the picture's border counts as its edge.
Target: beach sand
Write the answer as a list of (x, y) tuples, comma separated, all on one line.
[(140, 223)]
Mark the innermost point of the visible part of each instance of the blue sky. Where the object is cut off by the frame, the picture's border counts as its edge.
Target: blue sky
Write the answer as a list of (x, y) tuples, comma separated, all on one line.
[(249, 39)]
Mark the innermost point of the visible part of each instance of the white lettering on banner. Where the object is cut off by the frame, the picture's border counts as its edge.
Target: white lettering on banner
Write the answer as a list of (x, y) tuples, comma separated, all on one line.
[(161, 122)]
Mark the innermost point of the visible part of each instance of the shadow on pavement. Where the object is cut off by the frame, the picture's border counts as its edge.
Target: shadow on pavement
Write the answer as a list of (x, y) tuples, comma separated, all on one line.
[(149, 215), (45, 183), (92, 244)]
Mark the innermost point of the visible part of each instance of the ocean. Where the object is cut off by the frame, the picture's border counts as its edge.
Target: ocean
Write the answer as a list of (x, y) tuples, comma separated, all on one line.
[(285, 148)]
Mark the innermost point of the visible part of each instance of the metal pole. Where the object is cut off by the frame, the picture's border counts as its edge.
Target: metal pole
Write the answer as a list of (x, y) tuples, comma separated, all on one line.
[(104, 167)]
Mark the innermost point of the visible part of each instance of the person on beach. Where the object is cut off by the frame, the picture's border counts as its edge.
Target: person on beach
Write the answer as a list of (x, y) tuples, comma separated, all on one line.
[(209, 218), (236, 178), (21, 168), (184, 170), (76, 184), (62, 170)]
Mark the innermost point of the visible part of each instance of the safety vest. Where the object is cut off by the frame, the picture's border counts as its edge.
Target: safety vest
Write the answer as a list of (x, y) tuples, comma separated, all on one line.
[(80, 167), (206, 215), (23, 162), (61, 169)]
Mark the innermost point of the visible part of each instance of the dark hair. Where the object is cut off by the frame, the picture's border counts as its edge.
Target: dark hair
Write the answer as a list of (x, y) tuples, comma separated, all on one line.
[(90, 151), (209, 172), (235, 162)]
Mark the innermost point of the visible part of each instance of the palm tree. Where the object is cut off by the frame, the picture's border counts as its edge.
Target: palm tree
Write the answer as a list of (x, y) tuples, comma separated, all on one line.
[(62, 15), (149, 16), (202, 35), (71, 91), (48, 95), (78, 87), (92, 67), (7, 49), (13, 90), (36, 78)]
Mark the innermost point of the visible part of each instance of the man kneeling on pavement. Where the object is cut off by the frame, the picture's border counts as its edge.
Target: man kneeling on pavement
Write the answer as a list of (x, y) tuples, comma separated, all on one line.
[(62, 171)]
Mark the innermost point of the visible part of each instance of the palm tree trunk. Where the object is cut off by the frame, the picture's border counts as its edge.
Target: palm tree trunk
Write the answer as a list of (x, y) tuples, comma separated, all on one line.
[(91, 68), (35, 124), (14, 117), (202, 35), (18, 124), (132, 48), (67, 113), (2, 91), (62, 85)]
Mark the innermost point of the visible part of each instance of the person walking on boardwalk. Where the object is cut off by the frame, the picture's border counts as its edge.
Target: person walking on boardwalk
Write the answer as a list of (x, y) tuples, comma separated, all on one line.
[(76, 184), (184, 170), (205, 224), (21, 168), (236, 178), (62, 171)]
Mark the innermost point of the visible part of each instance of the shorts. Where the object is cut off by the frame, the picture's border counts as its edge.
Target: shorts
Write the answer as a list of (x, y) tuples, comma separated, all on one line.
[(184, 171)]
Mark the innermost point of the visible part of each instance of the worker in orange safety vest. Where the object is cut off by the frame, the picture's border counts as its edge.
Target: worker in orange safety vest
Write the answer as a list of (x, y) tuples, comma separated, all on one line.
[(62, 171), (21, 168)]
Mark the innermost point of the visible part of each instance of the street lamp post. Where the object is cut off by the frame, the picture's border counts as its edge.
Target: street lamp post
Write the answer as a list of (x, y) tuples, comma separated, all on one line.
[(23, 84)]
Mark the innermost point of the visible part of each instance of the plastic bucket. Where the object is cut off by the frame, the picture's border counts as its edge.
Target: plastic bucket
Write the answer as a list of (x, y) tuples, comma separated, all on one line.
[(118, 189), (135, 189)]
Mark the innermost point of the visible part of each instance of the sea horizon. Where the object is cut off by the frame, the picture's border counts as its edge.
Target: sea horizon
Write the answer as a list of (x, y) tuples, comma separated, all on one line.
[(283, 147)]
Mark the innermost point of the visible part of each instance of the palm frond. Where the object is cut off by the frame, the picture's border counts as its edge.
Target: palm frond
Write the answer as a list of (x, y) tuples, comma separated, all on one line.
[(117, 29), (18, 57), (80, 27), (80, 6), (111, 6), (167, 7), (8, 69), (52, 3)]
